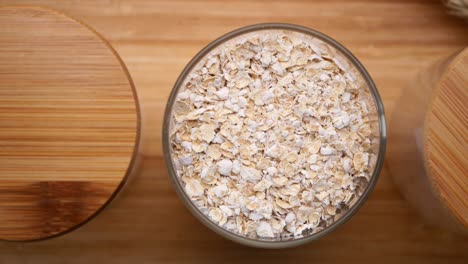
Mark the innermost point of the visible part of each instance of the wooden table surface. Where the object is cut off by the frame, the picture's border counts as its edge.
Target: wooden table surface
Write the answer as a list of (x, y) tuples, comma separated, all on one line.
[(147, 223)]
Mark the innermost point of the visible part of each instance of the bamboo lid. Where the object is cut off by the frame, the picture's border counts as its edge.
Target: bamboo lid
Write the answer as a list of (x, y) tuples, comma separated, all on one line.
[(446, 137), (69, 123)]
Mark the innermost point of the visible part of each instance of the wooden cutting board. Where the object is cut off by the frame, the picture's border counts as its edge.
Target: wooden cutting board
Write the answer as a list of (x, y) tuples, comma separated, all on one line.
[(68, 123)]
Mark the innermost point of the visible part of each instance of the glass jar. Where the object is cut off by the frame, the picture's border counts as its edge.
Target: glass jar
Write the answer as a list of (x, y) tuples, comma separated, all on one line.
[(427, 156), (344, 58)]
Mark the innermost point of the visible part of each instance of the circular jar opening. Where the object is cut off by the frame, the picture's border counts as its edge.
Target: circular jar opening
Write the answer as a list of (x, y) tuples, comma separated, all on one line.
[(274, 135)]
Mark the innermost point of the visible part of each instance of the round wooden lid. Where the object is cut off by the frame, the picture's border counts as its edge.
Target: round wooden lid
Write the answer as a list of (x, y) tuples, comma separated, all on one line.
[(446, 137), (69, 123)]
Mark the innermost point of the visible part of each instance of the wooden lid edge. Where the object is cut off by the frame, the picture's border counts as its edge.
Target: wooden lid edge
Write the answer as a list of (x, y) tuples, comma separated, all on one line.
[(461, 219), (131, 165)]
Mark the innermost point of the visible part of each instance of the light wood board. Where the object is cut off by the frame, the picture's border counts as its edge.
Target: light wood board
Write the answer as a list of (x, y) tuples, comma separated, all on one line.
[(68, 123), (148, 223)]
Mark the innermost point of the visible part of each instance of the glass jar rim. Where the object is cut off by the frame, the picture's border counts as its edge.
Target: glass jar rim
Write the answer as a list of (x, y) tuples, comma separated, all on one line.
[(280, 243)]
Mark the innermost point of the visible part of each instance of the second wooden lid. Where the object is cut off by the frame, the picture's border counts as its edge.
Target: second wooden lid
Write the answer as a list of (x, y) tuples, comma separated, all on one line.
[(446, 137)]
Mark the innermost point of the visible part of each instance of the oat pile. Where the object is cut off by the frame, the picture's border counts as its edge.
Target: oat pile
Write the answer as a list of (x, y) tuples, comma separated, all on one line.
[(271, 136)]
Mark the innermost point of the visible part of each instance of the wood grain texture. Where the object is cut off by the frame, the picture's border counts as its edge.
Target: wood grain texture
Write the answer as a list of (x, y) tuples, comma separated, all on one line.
[(424, 174), (68, 123), (446, 137), (148, 223)]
